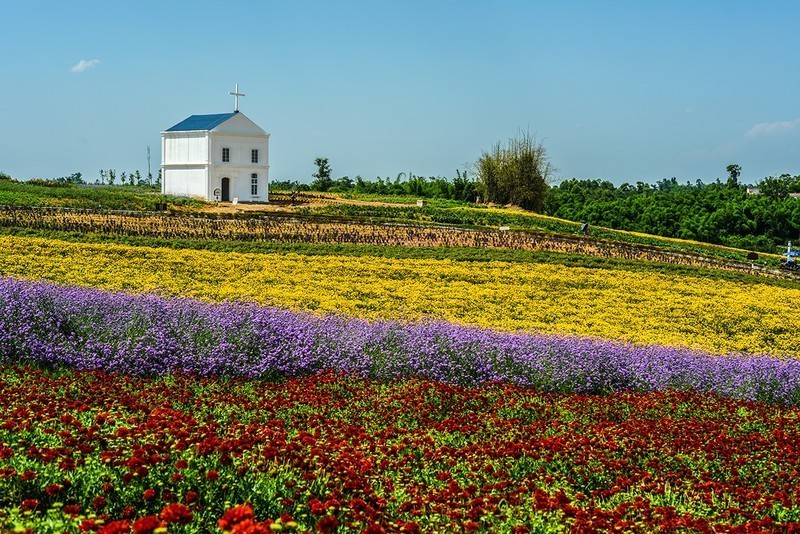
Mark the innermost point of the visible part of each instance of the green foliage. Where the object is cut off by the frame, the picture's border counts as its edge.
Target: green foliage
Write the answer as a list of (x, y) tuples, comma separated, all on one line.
[(74, 178), (721, 213), (461, 188), (48, 183), (779, 187), (734, 171), (71, 195), (322, 178), (516, 173)]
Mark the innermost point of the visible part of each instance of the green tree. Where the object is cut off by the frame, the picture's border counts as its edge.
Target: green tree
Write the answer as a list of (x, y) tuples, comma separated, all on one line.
[(111, 176), (322, 178), (517, 173), (734, 171)]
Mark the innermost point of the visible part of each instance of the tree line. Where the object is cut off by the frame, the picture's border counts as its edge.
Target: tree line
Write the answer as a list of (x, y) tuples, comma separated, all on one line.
[(462, 187), (726, 213)]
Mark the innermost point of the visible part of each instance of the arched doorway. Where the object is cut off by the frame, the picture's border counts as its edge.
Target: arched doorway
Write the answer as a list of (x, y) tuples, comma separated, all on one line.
[(226, 189)]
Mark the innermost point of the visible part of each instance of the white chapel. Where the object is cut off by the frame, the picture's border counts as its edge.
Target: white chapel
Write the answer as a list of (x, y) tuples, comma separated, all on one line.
[(216, 157)]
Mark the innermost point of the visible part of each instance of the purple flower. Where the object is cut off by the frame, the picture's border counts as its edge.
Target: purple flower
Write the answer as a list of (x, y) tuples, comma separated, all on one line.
[(148, 335)]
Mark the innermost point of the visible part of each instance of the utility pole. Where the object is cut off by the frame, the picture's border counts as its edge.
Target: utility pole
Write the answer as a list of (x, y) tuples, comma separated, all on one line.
[(149, 174)]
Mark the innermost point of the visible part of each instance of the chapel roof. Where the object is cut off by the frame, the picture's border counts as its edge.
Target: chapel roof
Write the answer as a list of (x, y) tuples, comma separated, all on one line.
[(201, 122)]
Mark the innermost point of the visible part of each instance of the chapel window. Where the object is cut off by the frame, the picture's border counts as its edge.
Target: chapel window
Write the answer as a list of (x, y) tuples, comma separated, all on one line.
[(254, 156), (254, 184), (226, 155)]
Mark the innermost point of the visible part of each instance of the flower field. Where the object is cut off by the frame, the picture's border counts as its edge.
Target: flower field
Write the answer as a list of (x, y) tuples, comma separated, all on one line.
[(640, 307), (80, 328), (103, 452), (156, 390)]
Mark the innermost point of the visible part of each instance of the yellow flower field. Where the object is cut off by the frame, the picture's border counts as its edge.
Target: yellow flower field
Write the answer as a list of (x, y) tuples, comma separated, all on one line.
[(642, 307)]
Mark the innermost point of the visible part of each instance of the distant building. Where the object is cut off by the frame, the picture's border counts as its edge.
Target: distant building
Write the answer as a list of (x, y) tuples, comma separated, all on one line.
[(752, 190), (794, 195), (216, 157)]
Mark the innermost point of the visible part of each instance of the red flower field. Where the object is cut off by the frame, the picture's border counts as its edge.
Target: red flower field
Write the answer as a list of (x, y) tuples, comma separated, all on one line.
[(88, 451)]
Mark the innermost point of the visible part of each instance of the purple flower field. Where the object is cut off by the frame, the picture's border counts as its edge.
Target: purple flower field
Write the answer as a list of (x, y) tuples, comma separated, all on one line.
[(83, 328)]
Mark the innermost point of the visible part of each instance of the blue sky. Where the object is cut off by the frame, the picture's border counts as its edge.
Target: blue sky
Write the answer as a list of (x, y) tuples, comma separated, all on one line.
[(624, 91)]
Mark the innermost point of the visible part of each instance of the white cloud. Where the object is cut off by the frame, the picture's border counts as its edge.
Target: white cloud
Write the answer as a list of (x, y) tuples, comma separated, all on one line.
[(83, 65), (767, 128)]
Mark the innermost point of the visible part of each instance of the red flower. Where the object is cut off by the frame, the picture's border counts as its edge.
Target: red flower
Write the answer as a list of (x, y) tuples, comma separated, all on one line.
[(374, 529), (6, 452), (149, 494), (176, 513), (53, 489), (28, 504), (72, 509), (471, 526), (116, 527), (249, 526), (234, 516), (358, 504), (212, 476), (316, 507), (146, 525), (7, 472), (129, 512), (191, 497), (67, 464), (181, 464), (327, 524), (176, 478), (87, 525), (28, 475), (99, 502)]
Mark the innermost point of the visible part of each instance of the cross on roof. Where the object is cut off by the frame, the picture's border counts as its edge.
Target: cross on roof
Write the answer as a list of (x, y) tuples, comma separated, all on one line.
[(236, 94)]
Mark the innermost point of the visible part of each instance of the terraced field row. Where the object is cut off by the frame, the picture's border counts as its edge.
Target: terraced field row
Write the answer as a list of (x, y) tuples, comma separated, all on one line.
[(294, 229)]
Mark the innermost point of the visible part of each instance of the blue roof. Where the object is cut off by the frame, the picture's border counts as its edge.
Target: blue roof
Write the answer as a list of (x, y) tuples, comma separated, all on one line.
[(201, 122)]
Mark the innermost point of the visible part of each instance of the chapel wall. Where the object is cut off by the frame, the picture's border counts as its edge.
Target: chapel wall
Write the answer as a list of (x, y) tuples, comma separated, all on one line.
[(186, 148), (240, 149), (185, 182)]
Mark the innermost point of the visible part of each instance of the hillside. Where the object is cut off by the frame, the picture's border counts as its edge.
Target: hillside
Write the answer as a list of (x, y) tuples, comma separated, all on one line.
[(364, 210), (358, 365)]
